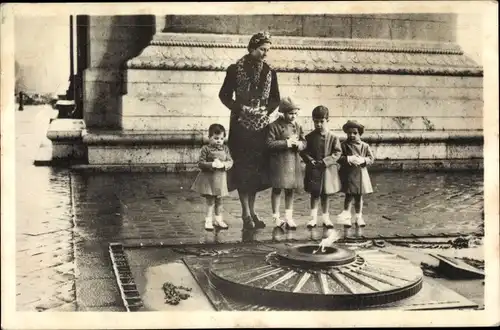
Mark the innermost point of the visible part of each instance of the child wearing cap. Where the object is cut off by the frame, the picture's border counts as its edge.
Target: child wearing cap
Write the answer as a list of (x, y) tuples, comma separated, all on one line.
[(321, 155), (285, 139), (354, 177)]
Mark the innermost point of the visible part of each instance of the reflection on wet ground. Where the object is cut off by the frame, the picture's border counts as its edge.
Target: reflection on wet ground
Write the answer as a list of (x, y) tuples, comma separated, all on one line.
[(130, 207)]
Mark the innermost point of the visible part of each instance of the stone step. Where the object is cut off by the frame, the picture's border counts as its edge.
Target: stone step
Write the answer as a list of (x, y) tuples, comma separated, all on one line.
[(182, 147)]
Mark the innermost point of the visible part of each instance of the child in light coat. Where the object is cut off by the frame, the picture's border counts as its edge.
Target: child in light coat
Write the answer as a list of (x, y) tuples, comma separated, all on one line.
[(356, 157), (285, 139)]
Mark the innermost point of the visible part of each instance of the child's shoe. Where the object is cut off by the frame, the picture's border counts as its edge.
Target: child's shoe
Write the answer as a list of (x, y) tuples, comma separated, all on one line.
[(358, 220), (277, 221), (219, 222), (326, 221), (209, 224), (344, 218), (314, 221), (289, 220)]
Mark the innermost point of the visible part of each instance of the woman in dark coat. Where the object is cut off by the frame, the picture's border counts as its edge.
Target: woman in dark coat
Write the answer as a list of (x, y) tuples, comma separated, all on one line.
[(255, 87)]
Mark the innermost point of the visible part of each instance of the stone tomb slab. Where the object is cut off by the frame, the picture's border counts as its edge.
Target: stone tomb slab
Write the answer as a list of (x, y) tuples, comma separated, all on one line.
[(184, 266)]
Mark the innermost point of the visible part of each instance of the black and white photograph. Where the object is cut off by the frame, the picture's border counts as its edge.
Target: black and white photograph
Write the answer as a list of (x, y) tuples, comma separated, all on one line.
[(318, 164)]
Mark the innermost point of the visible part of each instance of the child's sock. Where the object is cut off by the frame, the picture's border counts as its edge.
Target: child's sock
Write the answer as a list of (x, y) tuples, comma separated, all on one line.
[(219, 222), (360, 222), (277, 220), (314, 218), (326, 220), (289, 219), (209, 223)]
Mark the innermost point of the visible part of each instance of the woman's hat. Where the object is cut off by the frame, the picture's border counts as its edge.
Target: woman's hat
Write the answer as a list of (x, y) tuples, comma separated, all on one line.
[(286, 104), (353, 124), (258, 40)]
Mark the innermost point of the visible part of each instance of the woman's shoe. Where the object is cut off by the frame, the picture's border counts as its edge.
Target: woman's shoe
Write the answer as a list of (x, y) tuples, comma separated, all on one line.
[(248, 223), (257, 222)]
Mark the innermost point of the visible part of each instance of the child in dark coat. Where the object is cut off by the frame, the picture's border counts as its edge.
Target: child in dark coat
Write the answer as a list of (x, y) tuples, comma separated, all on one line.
[(321, 155), (215, 159), (285, 139), (356, 156)]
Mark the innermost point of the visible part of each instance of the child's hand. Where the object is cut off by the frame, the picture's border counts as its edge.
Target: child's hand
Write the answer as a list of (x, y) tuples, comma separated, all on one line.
[(291, 143), (217, 164), (314, 163), (358, 160)]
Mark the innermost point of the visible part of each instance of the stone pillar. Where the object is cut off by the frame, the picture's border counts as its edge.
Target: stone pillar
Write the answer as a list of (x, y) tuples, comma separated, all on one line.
[(112, 40)]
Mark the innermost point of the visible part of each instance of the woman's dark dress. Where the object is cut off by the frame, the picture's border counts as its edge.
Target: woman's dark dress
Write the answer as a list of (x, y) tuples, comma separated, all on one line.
[(250, 172)]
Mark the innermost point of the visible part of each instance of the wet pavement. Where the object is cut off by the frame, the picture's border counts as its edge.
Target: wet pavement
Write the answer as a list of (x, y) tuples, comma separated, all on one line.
[(45, 278), (66, 219)]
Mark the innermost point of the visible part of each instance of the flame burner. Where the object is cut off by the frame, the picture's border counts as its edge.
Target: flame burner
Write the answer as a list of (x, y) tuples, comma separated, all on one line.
[(338, 278)]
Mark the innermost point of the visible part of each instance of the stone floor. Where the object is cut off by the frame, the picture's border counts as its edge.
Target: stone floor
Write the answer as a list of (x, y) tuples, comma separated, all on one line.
[(65, 219)]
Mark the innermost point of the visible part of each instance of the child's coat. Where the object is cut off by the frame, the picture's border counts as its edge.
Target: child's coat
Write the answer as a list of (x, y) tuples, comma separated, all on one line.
[(285, 166), (324, 181), (355, 179), (211, 181)]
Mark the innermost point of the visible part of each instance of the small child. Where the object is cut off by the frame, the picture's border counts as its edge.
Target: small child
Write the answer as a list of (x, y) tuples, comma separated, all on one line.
[(321, 156), (211, 182), (285, 139), (354, 177)]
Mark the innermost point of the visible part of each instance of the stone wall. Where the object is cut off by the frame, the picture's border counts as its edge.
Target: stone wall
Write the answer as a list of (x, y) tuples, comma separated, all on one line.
[(150, 100), (431, 27)]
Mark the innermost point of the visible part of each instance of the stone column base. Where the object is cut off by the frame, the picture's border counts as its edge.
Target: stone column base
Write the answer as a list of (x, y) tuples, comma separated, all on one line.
[(178, 151), (66, 137)]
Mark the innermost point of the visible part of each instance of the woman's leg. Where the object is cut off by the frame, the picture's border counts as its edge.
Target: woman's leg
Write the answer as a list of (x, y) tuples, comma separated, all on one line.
[(245, 210), (244, 201), (251, 203)]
